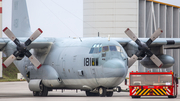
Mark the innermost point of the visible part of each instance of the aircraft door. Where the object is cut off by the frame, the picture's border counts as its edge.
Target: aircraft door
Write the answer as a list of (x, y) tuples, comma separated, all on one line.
[(61, 65), (95, 68), (63, 68), (93, 71)]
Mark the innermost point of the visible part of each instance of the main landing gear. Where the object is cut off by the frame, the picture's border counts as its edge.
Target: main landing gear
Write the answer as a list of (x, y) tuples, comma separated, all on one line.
[(102, 92), (43, 92)]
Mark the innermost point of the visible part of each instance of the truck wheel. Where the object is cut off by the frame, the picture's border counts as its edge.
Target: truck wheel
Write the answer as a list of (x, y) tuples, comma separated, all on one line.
[(136, 96), (175, 96), (170, 96), (102, 92)]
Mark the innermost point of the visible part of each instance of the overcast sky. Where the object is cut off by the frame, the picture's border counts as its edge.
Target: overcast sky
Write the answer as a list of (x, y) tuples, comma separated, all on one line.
[(62, 18)]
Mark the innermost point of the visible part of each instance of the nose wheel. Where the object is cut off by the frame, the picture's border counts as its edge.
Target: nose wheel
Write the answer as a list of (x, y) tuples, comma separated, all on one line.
[(102, 92)]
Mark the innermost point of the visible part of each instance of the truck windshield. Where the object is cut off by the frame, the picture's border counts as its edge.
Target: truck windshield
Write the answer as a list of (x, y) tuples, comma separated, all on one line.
[(144, 79)]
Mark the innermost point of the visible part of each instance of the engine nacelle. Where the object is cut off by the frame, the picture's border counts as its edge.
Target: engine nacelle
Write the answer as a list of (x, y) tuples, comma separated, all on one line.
[(34, 85), (167, 61)]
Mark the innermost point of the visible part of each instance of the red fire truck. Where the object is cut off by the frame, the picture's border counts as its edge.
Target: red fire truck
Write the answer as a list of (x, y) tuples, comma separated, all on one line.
[(153, 84)]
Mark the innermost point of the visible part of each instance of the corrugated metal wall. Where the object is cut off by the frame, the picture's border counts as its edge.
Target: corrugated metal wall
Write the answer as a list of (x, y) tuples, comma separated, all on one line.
[(109, 17), (167, 18)]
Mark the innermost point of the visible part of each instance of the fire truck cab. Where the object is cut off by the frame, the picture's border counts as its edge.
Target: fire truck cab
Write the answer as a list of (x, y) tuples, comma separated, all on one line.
[(153, 84)]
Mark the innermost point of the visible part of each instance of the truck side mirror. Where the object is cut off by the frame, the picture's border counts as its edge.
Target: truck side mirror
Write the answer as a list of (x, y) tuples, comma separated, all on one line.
[(125, 82), (177, 82)]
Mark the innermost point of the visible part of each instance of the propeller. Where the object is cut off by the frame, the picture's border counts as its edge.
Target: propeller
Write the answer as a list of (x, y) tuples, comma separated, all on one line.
[(22, 48), (144, 47)]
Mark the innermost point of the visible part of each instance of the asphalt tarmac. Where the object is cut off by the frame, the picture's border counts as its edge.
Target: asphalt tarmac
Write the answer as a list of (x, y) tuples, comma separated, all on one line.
[(19, 91)]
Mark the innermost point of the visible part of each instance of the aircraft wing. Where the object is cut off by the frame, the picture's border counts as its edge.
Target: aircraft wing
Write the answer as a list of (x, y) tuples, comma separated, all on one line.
[(168, 43), (37, 44)]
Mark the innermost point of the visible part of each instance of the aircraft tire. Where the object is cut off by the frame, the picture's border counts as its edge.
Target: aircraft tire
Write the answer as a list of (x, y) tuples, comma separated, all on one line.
[(102, 92), (35, 93), (109, 94), (44, 90), (118, 89), (88, 93)]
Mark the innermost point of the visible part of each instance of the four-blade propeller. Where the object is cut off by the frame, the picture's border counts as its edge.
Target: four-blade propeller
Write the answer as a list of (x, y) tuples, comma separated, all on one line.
[(22, 48), (144, 47)]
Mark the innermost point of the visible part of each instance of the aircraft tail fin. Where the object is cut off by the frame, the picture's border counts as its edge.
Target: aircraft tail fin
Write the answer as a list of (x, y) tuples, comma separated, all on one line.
[(20, 25)]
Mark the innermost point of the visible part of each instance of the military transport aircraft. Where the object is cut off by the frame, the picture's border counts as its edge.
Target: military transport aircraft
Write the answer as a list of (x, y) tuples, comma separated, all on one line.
[(94, 65)]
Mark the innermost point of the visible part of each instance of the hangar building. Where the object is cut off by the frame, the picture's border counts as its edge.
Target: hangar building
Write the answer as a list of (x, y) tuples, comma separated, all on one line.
[(113, 17)]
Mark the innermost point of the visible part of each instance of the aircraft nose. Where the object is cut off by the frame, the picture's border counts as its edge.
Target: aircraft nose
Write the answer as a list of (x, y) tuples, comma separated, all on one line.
[(115, 68)]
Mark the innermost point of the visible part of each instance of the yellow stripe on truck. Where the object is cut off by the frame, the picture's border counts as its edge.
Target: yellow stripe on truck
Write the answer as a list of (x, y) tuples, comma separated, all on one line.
[(142, 91), (146, 92), (159, 91), (138, 91), (155, 91)]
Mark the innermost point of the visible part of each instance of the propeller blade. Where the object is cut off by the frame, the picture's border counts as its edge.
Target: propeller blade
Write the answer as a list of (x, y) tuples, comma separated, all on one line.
[(33, 60), (8, 61), (11, 36), (156, 60), (33, 36), (132, 60), (154, 36), (131, 34)]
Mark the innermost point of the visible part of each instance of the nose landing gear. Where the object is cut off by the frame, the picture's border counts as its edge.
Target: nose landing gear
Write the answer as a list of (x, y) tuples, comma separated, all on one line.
[(102, 91)]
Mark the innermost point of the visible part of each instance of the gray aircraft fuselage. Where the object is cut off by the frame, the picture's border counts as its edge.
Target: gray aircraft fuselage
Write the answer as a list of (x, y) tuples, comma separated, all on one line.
[(80, 63)]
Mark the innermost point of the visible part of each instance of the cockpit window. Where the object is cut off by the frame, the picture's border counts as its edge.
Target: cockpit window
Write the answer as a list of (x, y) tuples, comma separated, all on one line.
[(112, 48), (100, 49), (96, 48), (105, 48), (91, 51), (118, 49), (94, 45)]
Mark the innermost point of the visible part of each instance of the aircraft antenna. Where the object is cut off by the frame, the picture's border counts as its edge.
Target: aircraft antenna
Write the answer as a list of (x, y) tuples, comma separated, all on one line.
[(98, 34), (108, 37)]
